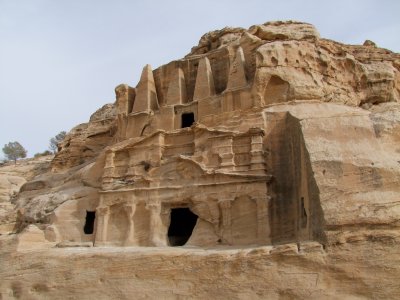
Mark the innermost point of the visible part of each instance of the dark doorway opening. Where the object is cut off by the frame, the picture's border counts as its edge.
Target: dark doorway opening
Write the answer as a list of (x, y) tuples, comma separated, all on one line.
[(181, 226), (89, 223), (187, 119)]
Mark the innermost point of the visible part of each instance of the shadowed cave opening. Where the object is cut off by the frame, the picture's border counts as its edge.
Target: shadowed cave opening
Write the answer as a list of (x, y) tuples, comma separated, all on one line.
[(187, 119), (89, 223), (181, 226)]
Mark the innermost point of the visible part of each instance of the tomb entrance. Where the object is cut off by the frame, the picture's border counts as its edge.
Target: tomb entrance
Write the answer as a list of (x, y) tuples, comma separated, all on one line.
[(89, 223), (181, 226)]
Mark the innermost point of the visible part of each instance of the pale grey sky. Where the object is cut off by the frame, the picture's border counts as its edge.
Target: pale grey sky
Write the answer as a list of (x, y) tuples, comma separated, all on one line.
[(60, 60)]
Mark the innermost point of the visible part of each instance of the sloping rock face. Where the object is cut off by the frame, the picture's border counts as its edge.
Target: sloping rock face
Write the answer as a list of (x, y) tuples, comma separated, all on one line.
[(13, 178), (271, 155), (85, 141)]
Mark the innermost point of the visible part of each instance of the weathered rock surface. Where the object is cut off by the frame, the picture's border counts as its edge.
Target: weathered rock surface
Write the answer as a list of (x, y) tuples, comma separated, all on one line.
[(271, 155), (279, 30), (85, 141), (354, 270), (12, 179)]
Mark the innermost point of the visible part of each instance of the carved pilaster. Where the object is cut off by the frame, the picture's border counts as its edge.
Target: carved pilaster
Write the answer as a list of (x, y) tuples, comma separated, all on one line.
[(263, 227), (103, 215), (214, 212), (226, 153), (157, 231), (130, 235), (109, 167), (122, 121), (226, 224), (257, 160)]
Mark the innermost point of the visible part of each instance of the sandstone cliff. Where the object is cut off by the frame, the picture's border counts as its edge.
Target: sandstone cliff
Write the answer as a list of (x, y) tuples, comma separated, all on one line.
[(278, 149)]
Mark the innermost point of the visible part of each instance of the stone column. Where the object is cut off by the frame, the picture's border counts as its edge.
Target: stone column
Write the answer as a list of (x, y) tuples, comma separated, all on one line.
[(103, 215), (130, 235), (225, 206), (157, 231), (257, 160), (263, 227)]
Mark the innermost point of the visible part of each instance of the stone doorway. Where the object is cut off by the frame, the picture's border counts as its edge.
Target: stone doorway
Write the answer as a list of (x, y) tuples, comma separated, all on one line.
[(181, 226), (89, 223)]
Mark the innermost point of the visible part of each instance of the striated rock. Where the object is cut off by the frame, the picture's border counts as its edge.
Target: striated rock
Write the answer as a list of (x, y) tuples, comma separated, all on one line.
[(268, 157)]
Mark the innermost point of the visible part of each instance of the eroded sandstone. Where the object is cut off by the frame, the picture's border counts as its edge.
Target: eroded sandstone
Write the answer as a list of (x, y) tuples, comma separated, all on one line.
[(270, 154)]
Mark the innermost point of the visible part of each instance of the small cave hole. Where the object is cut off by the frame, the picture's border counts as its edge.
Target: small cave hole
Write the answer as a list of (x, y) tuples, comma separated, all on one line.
[(89, 223), (146, 165), (181, 226), (187, 119)]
